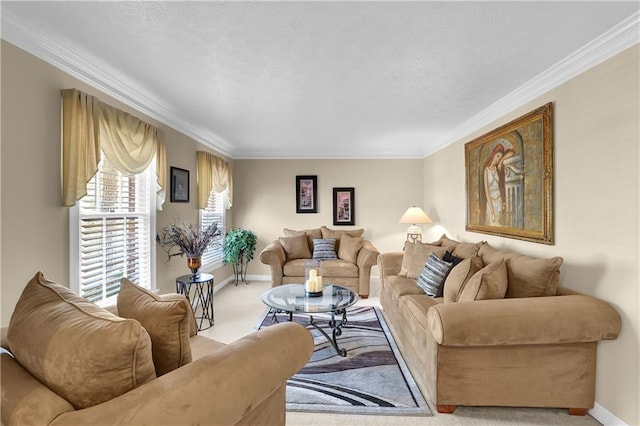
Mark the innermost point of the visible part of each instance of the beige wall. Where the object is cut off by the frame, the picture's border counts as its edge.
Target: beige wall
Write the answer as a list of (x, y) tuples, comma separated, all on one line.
[(596, 196), (265, 198), (35, 228), (596, 128)]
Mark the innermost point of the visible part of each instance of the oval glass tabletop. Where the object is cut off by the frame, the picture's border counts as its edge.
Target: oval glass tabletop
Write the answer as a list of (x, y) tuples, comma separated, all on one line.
[(292, 298)]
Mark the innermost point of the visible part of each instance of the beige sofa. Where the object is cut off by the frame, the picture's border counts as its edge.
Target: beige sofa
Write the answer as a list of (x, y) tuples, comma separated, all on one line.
[(287, 258), (520, 350), (78, 364)]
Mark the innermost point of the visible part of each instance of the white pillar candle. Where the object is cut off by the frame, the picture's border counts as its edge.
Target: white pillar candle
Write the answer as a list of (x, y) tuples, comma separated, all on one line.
[(318, 283), (313, 273), (310, 285)]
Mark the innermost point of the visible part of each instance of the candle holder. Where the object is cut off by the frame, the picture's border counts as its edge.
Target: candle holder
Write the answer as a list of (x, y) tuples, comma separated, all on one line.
[(313, 281), (312, 293)]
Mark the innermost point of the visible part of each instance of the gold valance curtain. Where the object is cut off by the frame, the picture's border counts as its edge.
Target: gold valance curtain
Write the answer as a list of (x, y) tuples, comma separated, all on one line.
[(89, 126), (213, 173)]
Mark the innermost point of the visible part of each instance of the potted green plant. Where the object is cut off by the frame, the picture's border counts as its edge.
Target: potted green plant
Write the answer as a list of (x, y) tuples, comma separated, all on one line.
[(180, 239), (238, 249)]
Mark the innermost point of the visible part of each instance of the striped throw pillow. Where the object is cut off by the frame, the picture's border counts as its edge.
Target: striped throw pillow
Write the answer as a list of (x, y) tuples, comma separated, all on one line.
[(324, 248), (432, 277)]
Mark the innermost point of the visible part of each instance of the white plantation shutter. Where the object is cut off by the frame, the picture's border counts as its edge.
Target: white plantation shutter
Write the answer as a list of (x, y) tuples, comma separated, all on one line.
[(213, 213), (115, 231)]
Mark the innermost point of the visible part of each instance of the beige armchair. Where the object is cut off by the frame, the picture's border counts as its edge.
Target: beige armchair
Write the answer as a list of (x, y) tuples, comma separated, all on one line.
[(287, 258), (242, 383)]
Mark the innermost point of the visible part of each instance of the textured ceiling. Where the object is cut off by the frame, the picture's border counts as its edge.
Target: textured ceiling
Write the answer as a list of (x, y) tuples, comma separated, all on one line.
[(313, 79)]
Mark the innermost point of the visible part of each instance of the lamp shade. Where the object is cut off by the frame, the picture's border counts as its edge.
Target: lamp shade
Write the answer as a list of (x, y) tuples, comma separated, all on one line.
[(415, 215)]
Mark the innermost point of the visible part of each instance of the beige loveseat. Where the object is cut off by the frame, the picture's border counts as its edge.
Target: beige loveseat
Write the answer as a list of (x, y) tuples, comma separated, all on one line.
[(354, 256), (78, 364), (533, 347)]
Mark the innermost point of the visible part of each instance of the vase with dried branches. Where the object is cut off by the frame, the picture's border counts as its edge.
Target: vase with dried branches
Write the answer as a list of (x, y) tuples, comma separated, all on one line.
[(179, 239)]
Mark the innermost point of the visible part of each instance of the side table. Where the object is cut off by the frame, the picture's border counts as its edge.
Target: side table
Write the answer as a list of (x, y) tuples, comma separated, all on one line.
[(198, 289)]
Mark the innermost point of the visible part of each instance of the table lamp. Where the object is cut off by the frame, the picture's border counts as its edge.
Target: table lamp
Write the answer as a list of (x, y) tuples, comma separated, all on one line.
[(415, 215)]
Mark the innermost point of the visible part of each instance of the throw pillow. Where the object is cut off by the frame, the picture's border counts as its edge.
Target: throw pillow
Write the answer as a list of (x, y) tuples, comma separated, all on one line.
[(80, 351), (459, 276), (166, 318), (349, 248), (457, 248), (324, 248), (489, 282), (448, 257), (337, 234), (431, 280), (528, 276), (415, 256), (296, 247), (466, 250), (310, 233)]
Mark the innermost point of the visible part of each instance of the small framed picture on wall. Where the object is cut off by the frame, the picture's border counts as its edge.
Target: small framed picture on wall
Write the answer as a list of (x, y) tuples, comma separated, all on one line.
[(306, 194), (179, 185), (344, 206)]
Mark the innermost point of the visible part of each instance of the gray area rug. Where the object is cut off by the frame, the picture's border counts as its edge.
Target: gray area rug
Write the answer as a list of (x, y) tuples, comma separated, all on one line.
[(371, 379)]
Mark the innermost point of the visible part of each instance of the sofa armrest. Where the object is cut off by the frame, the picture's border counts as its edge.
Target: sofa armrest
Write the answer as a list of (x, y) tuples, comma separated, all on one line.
[(367, 257), (390, 264), (4, 342), (523, 321), (219, 388), (274, 256)]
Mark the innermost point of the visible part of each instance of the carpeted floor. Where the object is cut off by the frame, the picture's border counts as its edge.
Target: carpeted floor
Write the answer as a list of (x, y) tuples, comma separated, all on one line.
[(237, 309), (371, 379)]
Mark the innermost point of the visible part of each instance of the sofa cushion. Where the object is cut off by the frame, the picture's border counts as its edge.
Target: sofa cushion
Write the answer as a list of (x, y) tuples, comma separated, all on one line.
[(166, 318), (415, 256), (296, 247), (82, 352), (398, 286), (338, 268), (528, 276), (413, 309), (432, 277), (489, 282), (459, 276), (295, 268), (337, 234), (203, 346), (25, 400), (310, 234), (324, 248), (349, 248)]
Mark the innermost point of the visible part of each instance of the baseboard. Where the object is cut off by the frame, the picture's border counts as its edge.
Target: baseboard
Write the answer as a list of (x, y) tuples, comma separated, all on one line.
[(268, 277), (220, 286), (258, 277), (604, 416)]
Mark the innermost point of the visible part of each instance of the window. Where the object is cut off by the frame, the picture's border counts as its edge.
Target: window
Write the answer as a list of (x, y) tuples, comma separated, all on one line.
[(114, 238), (213, 213)]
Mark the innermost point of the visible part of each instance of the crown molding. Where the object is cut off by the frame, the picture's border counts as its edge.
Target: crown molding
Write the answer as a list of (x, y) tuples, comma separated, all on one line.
[(39, 45), (609, 44)]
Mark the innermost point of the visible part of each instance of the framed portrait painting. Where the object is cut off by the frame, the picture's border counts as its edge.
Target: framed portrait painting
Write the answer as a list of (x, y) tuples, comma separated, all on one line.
[(509, 179), (179, 185), (306, 194), (344, 206)]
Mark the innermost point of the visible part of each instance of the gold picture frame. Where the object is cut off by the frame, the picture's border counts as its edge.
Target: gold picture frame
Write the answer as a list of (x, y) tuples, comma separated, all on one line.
[(509, 179)]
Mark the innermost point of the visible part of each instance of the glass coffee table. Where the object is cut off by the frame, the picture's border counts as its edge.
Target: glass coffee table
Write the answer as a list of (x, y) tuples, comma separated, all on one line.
[(291, 298)]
